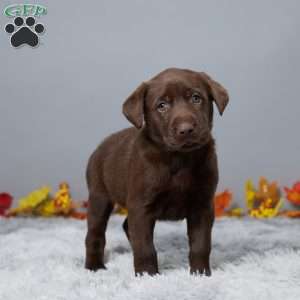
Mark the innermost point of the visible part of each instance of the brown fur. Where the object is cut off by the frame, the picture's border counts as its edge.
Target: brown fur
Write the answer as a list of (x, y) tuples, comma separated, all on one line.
[(164, 168)]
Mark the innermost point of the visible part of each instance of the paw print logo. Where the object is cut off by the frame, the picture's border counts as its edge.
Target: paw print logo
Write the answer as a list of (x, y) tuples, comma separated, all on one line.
[(24, 32)]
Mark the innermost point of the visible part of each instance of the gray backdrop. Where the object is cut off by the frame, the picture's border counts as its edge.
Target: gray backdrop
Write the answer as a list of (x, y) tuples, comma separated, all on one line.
[(60, 100)]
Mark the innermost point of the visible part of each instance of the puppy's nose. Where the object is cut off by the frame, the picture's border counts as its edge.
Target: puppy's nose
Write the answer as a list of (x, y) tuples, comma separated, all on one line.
[(185, 129)]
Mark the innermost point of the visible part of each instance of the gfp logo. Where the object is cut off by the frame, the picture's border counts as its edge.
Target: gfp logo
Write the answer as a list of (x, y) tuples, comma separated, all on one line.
[(24, 29)]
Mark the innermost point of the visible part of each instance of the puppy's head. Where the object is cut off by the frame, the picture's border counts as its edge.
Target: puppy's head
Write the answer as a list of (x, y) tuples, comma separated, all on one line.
[(177, 108)]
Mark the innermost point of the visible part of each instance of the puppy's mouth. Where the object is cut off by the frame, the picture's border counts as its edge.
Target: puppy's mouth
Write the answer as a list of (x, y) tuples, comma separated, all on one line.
[(190, 145), (186, 146)]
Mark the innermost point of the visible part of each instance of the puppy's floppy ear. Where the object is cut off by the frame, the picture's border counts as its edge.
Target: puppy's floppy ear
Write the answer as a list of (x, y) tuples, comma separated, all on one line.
[(217, 91), (133, 107)]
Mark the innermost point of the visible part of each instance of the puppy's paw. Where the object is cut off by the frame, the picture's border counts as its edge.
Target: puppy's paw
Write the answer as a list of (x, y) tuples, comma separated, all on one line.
[(94, 266), (150, 269), (200, 271), (150, 273)]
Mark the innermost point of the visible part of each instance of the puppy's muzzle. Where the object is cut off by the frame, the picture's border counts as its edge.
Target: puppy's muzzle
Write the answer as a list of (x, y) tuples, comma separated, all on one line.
[(184, 130)]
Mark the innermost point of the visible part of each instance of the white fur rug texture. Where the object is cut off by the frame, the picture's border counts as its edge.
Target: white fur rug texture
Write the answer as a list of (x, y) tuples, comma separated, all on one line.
[(251, 259)]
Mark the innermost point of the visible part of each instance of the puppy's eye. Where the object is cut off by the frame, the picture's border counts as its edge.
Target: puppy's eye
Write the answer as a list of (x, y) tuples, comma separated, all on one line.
[(196, 99), (162, 106)]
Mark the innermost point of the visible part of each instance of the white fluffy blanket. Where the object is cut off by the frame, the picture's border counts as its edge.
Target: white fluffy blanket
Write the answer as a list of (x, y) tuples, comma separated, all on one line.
[(251, 259)]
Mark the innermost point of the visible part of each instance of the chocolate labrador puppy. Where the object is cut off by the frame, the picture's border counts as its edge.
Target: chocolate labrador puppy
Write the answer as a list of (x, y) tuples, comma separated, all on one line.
[(163, 168)]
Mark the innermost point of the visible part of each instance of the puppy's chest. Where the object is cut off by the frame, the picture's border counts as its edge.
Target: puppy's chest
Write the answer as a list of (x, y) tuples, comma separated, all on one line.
[(181, 179), (171, 203)]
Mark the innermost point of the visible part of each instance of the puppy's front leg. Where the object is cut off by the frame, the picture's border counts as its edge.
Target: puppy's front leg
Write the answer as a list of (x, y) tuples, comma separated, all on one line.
[(141, 227), (199, 224)]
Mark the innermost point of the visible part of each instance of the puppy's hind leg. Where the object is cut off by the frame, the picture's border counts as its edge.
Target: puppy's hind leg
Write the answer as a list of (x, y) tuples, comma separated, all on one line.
[(99, 210)]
